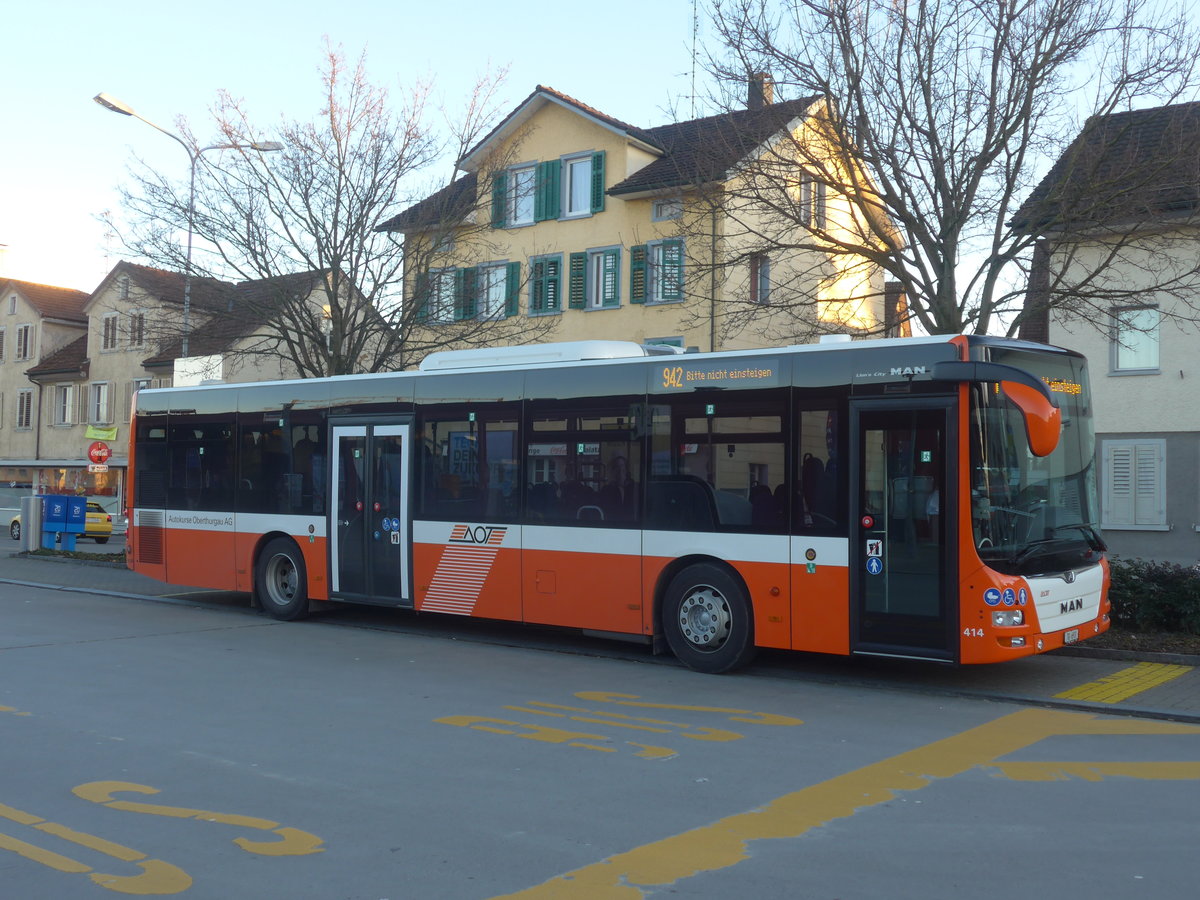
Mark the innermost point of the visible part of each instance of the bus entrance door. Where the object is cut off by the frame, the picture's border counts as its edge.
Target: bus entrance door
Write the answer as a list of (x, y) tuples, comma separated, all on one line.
[(899, 564), (369, 534)]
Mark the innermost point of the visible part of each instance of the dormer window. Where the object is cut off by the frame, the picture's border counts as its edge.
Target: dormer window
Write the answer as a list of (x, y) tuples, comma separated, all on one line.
[(666, 209)]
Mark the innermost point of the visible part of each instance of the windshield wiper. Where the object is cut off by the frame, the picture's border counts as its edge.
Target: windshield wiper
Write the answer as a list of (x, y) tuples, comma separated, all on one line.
[(1094, 541)]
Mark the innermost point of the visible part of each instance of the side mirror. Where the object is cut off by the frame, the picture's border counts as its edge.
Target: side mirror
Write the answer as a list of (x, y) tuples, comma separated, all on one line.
[(1043, 420)]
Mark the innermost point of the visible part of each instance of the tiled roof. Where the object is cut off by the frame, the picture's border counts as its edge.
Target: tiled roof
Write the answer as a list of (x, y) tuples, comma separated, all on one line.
[(71, 359), (703, 150), (50, 302), (252, 306), (206, 293), (449, 204), (1129, 166)]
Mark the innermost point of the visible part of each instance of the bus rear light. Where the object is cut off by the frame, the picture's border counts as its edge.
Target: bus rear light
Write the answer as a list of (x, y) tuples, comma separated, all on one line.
[(1005, 618)]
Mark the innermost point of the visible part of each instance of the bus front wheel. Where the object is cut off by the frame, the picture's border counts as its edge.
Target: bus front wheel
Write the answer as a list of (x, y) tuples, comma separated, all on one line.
[(280, 580), (707, 621)]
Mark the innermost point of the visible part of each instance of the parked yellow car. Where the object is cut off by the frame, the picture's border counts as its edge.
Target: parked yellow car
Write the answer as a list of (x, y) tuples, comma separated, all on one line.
[(99, 525)]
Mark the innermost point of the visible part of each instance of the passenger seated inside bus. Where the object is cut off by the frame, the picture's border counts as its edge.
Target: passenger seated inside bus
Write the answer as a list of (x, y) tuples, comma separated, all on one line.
[(618, 497)]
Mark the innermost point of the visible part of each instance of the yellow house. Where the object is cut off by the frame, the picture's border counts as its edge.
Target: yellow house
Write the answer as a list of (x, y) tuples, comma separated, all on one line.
[(723, 232)]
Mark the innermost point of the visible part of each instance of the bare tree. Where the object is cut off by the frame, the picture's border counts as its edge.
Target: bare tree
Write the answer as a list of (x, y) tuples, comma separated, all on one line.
[(320, 285), (943, 116)]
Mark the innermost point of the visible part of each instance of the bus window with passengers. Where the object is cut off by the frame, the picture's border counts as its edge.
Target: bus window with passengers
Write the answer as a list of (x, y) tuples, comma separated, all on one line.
[(924, 498)]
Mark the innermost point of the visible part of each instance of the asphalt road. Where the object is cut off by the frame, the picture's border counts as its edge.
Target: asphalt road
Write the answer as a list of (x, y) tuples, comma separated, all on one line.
[(185, 745)]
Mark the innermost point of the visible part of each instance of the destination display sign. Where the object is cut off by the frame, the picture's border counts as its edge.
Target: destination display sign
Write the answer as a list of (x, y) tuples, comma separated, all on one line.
[(689, 376)]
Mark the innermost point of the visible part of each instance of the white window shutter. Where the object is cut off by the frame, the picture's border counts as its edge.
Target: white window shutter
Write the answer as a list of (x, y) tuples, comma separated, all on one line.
[(1118, 484), (1134, 484)]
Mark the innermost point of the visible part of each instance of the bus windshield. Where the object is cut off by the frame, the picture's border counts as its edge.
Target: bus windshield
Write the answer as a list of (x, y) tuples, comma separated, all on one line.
[(1032, 515)]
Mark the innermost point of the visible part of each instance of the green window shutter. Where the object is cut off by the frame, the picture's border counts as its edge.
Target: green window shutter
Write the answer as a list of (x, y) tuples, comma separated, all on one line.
[(466, 293), (499, 199), (672, 270), (598, 182), (577, 284), (554, 284), (460, 294), (537, 286), (637, 274), (512, 288), (421, 297), (610, 278), (547, 199)]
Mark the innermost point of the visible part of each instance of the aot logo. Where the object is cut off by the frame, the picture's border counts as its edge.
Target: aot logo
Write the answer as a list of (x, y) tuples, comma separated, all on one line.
[(908, 370), (490, 535)]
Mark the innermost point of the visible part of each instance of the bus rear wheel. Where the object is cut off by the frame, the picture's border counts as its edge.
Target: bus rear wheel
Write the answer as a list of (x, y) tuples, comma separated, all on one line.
[(280, 581), (707, 620)]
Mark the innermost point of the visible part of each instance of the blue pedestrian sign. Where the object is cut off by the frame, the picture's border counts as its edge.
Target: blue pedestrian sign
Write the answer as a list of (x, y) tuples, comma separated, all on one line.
[(874, 565)]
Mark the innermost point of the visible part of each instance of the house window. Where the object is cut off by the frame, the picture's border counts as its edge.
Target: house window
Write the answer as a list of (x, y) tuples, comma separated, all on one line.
[(137, 328), (123, 287), (516, 193), (664, 210), (596, 279), (63, 395), (109, 324), (1134, 485), (439, 306), (99, 410), (577, 186), (545, 285), (24, 341), (760, 278), (25, 409), (12, 304), (664, 272), (583, 184), (494, 290), (812, 202), (3, 343), (1135, 335)]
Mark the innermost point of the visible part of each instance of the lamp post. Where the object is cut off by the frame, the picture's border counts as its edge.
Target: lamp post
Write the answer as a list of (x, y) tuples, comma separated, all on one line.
[(112, 103)]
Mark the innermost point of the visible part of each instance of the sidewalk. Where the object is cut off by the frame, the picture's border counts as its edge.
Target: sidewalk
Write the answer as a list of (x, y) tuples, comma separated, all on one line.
[(1100, 681)]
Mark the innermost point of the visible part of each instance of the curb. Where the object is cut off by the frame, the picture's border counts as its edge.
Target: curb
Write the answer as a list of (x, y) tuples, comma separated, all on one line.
[(1178, 659), (69, 560)]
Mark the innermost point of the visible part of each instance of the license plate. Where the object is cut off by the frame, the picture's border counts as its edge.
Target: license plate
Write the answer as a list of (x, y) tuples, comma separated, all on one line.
[(1071, 636)]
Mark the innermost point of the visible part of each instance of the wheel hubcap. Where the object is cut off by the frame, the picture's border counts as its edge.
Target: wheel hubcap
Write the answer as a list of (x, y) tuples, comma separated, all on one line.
[(281, 580), (704, 618)]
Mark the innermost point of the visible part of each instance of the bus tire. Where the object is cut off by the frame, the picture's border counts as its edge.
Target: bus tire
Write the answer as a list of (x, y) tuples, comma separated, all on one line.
[(707, 620), (281, 582)]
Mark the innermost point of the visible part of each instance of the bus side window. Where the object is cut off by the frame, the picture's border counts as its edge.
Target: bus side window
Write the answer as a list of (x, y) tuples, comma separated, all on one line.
[(467, 469), (817, 507)]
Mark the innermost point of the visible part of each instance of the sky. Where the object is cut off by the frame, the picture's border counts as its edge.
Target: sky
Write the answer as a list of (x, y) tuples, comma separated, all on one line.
[(64, 157)]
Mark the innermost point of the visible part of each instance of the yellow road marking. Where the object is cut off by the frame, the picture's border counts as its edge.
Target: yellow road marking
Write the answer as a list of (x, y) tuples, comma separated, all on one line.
[(725, 843), (1124, 684), (156, 877), (294, 841), (1096, 771)]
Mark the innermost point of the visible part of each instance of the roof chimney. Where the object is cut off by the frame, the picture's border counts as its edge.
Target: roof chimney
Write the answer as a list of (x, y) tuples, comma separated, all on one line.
[(760, 91)]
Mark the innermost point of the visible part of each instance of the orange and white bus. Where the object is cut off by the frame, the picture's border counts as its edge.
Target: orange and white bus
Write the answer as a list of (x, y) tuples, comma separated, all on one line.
[(930, 498)]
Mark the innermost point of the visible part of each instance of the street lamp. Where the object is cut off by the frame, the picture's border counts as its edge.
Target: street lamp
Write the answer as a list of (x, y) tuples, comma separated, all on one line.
[(112, 103)]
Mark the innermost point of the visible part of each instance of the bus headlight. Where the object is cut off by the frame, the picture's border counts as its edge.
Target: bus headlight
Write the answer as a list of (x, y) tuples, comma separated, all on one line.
[(1005, 618)]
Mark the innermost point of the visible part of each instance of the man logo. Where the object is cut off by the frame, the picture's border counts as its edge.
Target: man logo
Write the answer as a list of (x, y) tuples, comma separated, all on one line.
[(908, 370), (1069, 577)]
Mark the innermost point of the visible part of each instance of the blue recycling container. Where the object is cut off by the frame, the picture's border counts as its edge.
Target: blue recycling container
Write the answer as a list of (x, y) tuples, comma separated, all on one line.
[(54, 513), (76, 515)]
